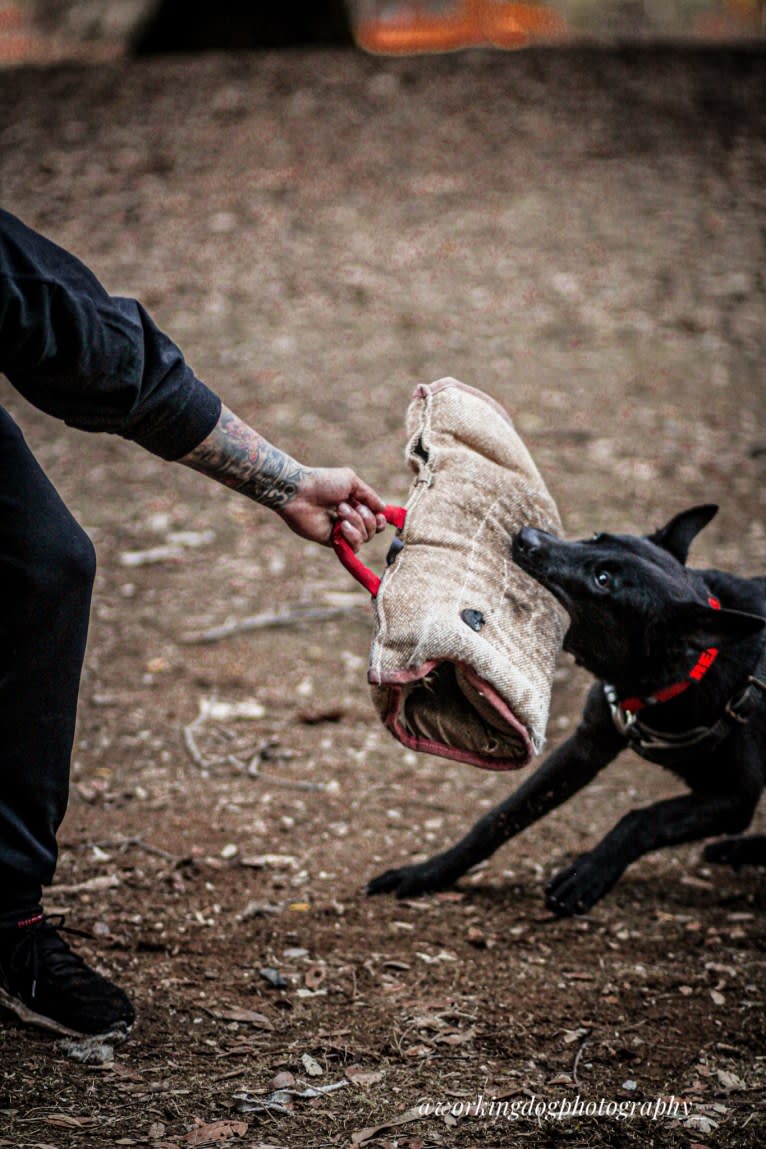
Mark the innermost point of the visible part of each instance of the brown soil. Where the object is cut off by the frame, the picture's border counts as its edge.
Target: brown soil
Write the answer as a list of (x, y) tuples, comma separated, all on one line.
[(581, 235)]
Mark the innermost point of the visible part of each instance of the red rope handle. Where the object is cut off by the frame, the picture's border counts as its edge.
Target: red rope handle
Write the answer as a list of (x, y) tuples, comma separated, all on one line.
[(351, 561)]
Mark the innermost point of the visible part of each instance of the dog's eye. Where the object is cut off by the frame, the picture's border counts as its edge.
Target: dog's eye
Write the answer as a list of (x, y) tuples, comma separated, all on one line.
[(603, 579)]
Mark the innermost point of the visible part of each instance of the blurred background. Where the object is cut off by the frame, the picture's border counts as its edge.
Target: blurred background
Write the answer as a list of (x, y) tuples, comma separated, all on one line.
[(576, 228), (40, 30)]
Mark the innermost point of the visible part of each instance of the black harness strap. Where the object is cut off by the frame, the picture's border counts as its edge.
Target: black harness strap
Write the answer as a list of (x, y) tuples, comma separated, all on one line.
[(663, 748)]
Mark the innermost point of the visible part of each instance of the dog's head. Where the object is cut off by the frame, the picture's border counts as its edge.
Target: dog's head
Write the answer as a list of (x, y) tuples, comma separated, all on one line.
[(637, 614)]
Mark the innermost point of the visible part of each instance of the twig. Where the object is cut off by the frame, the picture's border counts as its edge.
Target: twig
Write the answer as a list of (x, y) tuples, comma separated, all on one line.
[(292, 616), (126, 843), (578, 1055), (190, 741), (251, 767)]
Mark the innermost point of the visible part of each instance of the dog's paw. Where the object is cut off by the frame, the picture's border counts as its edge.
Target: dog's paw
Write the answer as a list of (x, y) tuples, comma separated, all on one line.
[(749, 850), (578, 887), (408, 881)]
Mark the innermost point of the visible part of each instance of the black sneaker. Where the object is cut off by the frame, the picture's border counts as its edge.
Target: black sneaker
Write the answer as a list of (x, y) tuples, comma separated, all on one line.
[(45, 984)]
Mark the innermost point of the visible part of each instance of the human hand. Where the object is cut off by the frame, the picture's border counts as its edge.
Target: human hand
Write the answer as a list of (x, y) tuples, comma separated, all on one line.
[(326, 495)]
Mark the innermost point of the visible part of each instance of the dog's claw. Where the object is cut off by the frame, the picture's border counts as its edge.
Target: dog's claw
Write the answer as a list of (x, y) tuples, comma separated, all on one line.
[(576, 889), (407, 881)]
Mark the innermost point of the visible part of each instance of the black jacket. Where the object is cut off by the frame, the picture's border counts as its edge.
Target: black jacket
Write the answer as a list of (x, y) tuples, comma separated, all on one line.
[(97, 361)]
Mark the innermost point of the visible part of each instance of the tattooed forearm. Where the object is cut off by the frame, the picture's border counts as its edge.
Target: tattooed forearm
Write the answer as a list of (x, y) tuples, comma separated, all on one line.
[(240, 458)]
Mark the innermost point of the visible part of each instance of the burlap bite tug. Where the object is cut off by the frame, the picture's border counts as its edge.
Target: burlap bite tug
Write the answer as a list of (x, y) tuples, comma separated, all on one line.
[(465, 642)]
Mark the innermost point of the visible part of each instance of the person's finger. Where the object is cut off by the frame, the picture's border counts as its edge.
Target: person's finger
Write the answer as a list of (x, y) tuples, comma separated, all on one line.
[(368, 519), (351, 534), (352, 515)]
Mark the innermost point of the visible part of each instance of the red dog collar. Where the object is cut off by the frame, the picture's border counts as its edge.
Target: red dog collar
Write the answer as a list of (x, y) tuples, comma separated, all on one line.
[(696, 674)]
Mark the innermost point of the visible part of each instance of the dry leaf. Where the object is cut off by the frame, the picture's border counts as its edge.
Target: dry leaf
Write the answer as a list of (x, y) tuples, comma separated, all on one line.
[(457, 1038), (730, 1080), (216, 1131), (572, 1035), (364, 1135), (364, 1077), (701, 1123), (67, 1121), (249, 1016)]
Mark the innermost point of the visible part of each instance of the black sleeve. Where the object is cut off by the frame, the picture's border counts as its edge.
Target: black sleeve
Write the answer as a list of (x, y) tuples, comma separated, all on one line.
[(97, 361)]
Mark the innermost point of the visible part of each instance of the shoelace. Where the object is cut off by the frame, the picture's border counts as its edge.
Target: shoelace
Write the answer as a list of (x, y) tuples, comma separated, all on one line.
[(43, 940)]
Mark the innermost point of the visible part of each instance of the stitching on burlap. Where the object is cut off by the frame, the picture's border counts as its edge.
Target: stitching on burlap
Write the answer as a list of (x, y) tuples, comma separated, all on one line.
[(474, 544), (417, 494), (506, 579)]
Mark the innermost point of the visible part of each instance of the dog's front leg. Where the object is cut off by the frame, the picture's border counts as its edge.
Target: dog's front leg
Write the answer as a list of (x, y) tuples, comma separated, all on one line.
[(570, 767), (736, 852), (667, 823)]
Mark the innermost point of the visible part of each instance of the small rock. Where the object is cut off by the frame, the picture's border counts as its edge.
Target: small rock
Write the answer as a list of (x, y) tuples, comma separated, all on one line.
[(273, 977), (311, 1065), (284, 1080)]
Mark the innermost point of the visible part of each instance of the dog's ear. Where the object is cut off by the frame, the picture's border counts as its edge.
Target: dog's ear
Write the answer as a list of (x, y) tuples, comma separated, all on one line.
[(677, 535), (702, 626)]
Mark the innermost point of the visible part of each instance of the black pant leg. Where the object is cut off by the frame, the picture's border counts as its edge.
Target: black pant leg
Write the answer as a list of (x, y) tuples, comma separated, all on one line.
[(47, 566)]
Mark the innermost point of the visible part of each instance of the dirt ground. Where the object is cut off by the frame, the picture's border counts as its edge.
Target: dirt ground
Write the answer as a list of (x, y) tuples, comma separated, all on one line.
[(582, 235)]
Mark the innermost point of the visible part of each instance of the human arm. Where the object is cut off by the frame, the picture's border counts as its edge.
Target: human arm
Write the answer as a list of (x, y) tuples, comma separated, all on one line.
[(100, 363), (97, 361), (309, 499)]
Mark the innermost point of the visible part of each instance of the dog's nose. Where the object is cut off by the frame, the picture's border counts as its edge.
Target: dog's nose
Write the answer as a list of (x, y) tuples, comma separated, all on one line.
[(527, 540)]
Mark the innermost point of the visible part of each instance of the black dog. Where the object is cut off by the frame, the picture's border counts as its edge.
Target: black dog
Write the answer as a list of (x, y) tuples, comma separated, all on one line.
[(680, 656)]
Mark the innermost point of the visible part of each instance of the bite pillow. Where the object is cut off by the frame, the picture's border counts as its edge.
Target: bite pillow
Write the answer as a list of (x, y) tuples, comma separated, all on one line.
[(465, 643)]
